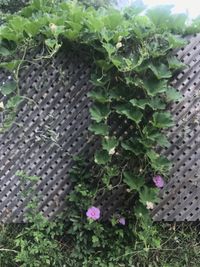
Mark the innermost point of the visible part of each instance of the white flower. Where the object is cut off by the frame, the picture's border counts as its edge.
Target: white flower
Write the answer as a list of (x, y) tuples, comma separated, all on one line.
[(118, 45), (1, 106), (111, 151), (149, 205), (53, 27)]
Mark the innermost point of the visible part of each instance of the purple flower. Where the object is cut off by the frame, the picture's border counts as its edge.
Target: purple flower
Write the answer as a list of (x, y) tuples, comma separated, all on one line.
[(122, 220), (158, 181), (93, 213)]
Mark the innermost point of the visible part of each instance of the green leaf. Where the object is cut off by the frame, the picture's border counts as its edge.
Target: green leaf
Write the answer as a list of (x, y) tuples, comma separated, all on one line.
[(8, 88), (8, 33), (140, 103), (99, 112), (130, 112), (148, 194), (51, 43), (99, 96), (161, 140), (113, 19), (95, 24), (178, 22), (160, 15), (101, 157), (135, 183), (110, 144), (176, 41), (173, 95), (159, 163), (142, 213), (161, 71), (99, 81), (99, 128), (143, 26), (11, 65), (111, 49), (158, 138), (154, 86), (13, 102), (175, 64), (104, 64), (17, 23), (26, 177), (162, 120), (152, 155), (154, 103), (146, 142), (4, 51), (118, 93), (33, 27), (134, 146)]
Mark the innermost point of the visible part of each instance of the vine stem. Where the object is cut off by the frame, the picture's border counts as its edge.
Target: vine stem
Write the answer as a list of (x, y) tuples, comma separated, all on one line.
[(18, 69), (8, 250)]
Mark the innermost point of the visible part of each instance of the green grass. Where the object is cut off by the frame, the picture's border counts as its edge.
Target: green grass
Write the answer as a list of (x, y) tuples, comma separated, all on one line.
[(180, 247)]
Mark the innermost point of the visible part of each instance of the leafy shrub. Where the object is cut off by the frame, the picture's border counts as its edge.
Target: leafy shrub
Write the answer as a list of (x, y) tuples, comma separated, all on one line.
[(37, 245)]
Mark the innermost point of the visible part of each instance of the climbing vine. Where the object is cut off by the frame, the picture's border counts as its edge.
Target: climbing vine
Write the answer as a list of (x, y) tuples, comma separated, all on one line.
[(133, 65)]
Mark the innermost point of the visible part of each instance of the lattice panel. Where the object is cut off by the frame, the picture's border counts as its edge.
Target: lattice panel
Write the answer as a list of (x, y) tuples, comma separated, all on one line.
[(180, 198), (51, 127)]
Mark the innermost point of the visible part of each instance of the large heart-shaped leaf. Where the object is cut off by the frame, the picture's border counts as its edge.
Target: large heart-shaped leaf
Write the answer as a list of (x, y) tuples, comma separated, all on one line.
[(10, 65), (135, 183), (174, 63), (132, 113), (154, 86), (13, 102), (148, 194), (111, 49), (155, 136), (176, 41), (110, 144), (134, 146), (99, 128), (101, 157), (162, 120), (8, 88), (4, 51), (99, 112), (161, 71), (173, 95), (154, 103), (159, 163), (160, 15), (99, 95), (140, 103)]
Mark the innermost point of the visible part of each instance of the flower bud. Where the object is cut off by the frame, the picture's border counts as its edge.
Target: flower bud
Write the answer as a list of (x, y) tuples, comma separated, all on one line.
[(53, 27)]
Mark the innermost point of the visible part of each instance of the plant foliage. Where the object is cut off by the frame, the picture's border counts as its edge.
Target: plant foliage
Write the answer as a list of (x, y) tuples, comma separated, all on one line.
[(133, 64)]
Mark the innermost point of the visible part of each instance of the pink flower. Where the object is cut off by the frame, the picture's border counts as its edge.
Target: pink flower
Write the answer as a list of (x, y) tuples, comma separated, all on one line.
[(93, 213), (158, 181), (122, 220)]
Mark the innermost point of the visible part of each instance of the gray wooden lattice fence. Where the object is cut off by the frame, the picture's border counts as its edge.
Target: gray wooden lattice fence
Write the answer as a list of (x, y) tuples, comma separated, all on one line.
[(52, 125)]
